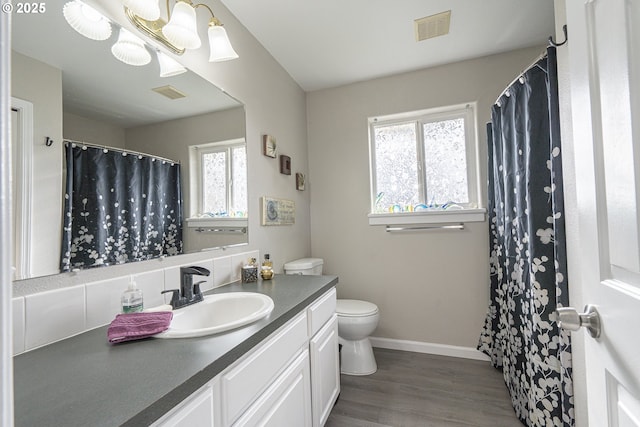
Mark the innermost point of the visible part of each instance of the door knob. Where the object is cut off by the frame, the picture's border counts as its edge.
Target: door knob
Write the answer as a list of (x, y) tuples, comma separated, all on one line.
[(571, 320)]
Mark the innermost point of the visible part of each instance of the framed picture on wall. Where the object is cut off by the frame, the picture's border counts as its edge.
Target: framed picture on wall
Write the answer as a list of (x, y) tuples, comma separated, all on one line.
[(285, 164), (269, 146), (278, 211), (299, 181)]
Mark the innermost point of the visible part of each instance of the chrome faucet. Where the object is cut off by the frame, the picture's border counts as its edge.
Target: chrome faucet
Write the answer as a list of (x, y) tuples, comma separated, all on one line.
[(189, 292)]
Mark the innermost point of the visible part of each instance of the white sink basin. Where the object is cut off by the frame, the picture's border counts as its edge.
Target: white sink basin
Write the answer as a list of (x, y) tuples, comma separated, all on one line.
[(218, 313)]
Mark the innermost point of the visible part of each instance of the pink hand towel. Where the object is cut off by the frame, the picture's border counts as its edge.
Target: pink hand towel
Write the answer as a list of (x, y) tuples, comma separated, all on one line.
[(135, 326)]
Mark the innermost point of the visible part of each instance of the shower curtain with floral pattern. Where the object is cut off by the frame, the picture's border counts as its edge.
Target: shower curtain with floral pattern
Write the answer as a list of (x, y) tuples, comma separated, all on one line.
[(119, 207), (528, 272)]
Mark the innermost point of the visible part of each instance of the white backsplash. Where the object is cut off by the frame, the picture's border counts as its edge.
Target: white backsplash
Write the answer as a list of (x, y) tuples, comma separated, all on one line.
[(43, 318), (54, 315)]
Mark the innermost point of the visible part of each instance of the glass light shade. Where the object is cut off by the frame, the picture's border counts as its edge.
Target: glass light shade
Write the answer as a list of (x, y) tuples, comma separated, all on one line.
[(182, 28), (86, 20), (145, 9), (169, 66), (130, 49), (219, 44)]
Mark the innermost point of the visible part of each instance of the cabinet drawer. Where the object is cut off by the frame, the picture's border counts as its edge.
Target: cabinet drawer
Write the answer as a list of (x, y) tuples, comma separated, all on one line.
[(196, 410), (243, 383), (321, 311), (286, 402)]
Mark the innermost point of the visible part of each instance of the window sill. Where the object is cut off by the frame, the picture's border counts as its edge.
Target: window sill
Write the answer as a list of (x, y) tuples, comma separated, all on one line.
[(217, 222), (429, 217)]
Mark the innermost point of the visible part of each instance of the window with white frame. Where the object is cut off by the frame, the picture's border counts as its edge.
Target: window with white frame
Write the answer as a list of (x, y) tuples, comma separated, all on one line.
[(424, 160), (221, 178)]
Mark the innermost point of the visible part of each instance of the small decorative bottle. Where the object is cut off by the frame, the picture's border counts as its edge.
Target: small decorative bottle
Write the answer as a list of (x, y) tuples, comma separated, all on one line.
[(132, 301), (266, 272), (249, 272)]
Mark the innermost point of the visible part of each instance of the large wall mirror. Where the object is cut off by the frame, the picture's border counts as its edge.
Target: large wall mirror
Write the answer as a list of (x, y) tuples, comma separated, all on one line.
[(68, 87)]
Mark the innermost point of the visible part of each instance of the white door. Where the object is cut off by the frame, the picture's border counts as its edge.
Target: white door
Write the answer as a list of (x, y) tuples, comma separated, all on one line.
[(604, 62)]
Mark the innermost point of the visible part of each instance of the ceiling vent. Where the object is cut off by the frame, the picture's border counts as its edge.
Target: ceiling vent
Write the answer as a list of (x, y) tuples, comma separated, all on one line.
[(432, 26), (169, 91)]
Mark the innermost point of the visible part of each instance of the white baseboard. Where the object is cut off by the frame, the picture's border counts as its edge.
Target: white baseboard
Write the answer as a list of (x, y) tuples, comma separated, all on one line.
[(429, 348)]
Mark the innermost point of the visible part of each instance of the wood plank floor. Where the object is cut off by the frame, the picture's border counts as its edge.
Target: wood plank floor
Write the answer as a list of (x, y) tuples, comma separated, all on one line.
[(422, 390)]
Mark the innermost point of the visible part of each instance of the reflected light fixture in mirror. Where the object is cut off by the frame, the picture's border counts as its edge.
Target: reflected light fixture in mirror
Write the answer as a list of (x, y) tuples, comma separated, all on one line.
[(130, 49), (86, 20), (169, 66), (181, 31)]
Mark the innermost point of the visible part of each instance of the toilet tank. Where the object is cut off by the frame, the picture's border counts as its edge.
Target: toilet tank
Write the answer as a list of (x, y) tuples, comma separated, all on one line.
[(304, 266)]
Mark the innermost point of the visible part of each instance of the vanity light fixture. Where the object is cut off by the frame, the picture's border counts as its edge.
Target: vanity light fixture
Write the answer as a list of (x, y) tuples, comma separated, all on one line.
[(145, 9), (181, 31), (169, 66), (86, 20), (182, 28), (130, 49), (220, 46)]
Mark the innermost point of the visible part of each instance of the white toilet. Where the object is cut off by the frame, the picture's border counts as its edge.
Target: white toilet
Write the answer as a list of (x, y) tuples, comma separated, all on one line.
[(356, 321)]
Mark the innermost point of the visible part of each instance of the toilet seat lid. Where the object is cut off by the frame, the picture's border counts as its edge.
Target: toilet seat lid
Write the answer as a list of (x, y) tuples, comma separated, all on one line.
[(354, 307)]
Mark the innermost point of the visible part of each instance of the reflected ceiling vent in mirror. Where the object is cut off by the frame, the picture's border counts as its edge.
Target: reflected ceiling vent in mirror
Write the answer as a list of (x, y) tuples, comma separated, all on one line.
[(86, 20), (432, 26), (181, 31), (169, 91)]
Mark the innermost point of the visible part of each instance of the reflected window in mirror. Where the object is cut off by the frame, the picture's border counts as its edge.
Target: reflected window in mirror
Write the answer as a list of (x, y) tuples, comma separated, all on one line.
[(221, 177)]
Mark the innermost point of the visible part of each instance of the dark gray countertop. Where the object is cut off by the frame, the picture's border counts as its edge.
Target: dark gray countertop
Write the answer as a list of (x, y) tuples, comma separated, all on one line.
[(85, 381)]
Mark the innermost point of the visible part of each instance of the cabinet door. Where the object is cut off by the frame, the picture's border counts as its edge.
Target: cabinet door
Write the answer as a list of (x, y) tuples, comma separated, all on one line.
[(325, 371), (196, 411), (287, 402)]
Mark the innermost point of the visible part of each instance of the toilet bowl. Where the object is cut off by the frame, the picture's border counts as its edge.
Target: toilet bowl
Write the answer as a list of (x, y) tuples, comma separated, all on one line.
[(356, 321)]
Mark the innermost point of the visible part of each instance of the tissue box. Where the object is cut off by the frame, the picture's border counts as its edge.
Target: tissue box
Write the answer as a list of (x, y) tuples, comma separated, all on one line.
[(249, 274)]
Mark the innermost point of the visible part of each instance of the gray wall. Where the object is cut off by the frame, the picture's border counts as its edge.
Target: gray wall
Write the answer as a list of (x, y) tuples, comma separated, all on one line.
[(96, 132), (431, 287)]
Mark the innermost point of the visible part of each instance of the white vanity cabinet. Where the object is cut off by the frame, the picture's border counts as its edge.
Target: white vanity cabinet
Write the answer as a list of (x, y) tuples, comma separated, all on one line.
[(290, 379)]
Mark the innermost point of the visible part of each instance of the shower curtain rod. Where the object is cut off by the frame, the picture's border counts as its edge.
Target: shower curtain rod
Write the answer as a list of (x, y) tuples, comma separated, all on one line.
[(119, 150), (533, 64)]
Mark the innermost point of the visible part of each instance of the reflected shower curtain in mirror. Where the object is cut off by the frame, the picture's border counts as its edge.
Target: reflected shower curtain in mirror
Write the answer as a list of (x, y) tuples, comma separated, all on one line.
[(528, 272), (119, 207)]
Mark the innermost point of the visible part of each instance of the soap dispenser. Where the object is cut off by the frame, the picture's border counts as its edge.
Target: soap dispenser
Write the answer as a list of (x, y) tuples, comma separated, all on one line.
[(132, 301)]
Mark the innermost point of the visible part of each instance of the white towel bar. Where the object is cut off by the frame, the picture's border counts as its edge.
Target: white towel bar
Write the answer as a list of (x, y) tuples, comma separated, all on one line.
[(394, 229)]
